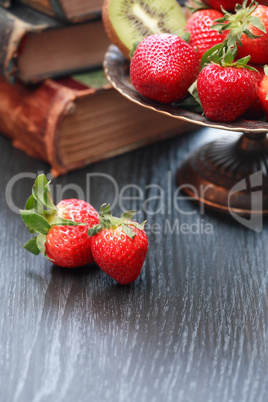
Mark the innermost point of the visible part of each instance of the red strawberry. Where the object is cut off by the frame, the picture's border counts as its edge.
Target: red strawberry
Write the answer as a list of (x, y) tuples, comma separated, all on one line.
[(119, 245), (63, 229), (263, 94), (248, 31), (69, 246), (256, 110), (228, 5), (256, 47), (202, 37), (163, 67), (225, 92)]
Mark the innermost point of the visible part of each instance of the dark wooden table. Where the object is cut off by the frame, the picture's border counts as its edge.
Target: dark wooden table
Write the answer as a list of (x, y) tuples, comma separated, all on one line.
[(193, 327)]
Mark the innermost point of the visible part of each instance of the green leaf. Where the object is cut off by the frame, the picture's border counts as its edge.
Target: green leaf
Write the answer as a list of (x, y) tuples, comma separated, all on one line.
[(193, 91), (249, 34), (48, 198), (39, 182), (61, 221), (191, 104), (41, 244), (238, 7), (94, 230), (31, 246), (133, 49), (251, 68), (41, 192), (217, 27), (242, 63), (265, 68), (35, 221), (30, 203), (105, 210), (185, 36), (228, 58), (138, 225), (109, 222), (257, 23), (94, 79), (31, 230), (128, 215), (232, 39), (206, 56), (196, 6), (128, 231)]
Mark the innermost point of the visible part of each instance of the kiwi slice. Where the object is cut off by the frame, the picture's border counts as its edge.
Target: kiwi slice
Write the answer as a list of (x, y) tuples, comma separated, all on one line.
[(127, 22)]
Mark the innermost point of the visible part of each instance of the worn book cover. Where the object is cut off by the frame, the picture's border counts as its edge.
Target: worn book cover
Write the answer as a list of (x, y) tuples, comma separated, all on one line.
[(72, 122), (72, 11), (34, 46)]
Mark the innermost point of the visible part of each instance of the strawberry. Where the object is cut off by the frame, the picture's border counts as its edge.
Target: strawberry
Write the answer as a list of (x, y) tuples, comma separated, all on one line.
[(202, 37), (256, 47), (263, 92), (225, 92), (119, 245), (228, 5), (256, 110), (163, 67), (248, 34), (62, 229)]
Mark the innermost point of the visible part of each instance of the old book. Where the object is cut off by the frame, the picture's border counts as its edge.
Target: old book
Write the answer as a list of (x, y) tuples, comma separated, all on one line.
[(70, 124), (34, 46), (71, 10)]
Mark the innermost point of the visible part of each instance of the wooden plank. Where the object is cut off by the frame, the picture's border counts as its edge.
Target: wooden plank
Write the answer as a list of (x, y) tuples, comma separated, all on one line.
[(193, 327)]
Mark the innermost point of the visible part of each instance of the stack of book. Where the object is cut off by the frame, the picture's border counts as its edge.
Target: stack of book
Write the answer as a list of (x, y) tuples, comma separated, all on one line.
[(55, 103)]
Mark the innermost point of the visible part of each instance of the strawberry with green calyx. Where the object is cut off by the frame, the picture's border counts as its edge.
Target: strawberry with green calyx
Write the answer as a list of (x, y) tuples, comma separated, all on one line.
[(247, 31), (163, 67), (226, 88), (119, 245), (202, 37), (62, 230)]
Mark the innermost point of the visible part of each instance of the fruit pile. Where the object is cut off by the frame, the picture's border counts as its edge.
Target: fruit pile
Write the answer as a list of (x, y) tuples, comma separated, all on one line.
[(73, 234), (218, 56)]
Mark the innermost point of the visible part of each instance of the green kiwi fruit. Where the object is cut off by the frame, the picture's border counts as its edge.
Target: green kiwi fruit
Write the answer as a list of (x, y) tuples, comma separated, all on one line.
[(127, 22)]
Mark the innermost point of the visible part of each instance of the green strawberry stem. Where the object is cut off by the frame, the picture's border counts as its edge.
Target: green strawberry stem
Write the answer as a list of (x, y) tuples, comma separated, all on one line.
[(40, 214), (107, 221), (238, 24), (196, 5), (223, 55)]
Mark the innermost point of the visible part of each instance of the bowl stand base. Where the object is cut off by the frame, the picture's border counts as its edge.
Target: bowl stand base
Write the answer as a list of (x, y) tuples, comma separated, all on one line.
[(229, 175)]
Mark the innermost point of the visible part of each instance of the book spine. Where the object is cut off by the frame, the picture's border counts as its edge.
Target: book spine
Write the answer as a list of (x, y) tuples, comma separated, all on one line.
[(57, 8), (12, 31), (49, 7), (31, 118)]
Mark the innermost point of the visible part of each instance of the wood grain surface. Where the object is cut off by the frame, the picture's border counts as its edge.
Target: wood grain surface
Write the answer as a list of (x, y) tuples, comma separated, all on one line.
[(193, 327)]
